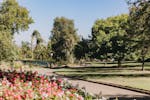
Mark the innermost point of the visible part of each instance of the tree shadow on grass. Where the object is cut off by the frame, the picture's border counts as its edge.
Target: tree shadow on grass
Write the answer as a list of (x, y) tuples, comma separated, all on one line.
[(85, 76), (131, 98), (126, 67), (103, 72), (88, 65)]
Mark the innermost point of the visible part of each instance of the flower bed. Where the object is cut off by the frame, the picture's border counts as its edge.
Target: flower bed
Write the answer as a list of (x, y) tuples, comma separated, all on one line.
[(31, 86)]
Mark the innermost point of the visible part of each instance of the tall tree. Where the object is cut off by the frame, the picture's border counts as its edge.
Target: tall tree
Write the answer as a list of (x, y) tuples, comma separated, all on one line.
[(139, 21), (63, 39), (14, 17), (100, 38), (38, 50), (35, 35), (109, 37), (119, 42)]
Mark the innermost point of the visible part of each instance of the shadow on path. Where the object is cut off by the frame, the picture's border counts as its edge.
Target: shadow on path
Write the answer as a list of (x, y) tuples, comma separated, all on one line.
[(130, 98)]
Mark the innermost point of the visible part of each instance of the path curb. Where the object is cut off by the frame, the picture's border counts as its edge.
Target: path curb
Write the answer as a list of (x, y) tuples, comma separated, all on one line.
[(110, 84)]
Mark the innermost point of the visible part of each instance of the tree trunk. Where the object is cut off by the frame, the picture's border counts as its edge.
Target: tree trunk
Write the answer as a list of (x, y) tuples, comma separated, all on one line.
[(119, 63), (70, 58), (143, 63)]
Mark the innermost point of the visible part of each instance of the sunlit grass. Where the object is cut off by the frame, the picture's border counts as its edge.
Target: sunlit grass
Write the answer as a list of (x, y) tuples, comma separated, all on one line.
[(136, 82), (129, 75)]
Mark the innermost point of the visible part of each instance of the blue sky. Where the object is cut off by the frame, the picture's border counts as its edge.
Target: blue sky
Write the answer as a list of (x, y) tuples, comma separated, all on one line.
[(83, 12)]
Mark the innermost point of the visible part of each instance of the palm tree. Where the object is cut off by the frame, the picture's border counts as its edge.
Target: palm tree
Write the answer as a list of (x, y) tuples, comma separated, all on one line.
[(35, 35)]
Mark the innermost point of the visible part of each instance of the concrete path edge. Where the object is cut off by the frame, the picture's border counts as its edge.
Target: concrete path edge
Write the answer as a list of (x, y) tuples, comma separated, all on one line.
[(109, 84)]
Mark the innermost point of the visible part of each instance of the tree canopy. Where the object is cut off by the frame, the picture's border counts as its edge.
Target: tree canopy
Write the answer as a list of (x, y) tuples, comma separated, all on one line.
[(109, 35), (139, 20), (13, 19), (64, 38)]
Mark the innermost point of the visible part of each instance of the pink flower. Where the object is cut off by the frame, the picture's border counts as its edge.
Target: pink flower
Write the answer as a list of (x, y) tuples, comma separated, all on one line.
[(1, 98), (23, 86), (60, 93), (59, 80), (80, 98), (71, 95), (54, 84), (17, 97)]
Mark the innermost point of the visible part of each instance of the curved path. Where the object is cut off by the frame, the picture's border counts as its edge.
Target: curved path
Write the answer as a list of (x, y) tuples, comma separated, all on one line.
[(106, 91)]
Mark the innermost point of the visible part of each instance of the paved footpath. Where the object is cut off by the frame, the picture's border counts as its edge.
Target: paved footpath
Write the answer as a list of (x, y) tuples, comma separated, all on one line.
[(94, 88)]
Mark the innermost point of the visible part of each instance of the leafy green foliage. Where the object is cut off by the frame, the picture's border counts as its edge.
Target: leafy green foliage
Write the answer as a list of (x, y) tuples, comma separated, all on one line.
[(119, 41), (37, 48), (100, 38), (14, 17), (109, 37), (82, 49), (7, 48), (63, 39), (41, 53), (25, 50), (37, 36), (139, 20)]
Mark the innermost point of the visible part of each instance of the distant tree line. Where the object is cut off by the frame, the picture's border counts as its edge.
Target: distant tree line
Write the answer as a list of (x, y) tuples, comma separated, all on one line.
[(117, 38)]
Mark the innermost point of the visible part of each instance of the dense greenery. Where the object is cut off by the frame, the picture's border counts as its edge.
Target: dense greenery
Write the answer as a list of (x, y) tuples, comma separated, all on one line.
[(139, 21), (109, 35), (36, 49), (26, 50), (116, 38), (13, 18), (82, 49), (63, 39), (7, 48)]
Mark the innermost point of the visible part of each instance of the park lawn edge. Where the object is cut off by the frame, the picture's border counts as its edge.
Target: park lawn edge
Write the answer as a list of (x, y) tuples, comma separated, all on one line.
[(109, 84)]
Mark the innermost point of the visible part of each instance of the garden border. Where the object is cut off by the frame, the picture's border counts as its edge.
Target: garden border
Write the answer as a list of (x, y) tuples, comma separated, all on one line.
[(109, 84)]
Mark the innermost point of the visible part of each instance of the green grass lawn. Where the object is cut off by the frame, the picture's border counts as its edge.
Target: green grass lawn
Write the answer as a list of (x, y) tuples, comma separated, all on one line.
[(129, 64), (138, 82), (127, 76)]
